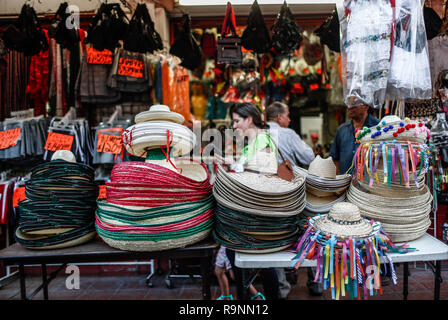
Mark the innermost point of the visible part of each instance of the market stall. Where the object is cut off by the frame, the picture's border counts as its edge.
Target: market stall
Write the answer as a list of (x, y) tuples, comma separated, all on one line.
[(116, 132)]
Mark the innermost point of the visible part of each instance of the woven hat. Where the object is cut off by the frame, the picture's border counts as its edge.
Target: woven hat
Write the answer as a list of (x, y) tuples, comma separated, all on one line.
[(404, 216), (322, 205), (64, 155), (159, 112), (344, 220), (339, 242), (152, 208), (392, 127), (141, 137), (324, 168), (58, 211)]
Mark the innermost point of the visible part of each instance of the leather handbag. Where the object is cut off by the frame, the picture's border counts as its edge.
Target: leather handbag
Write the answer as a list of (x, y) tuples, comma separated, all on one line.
[(285, 170), (229, 46)]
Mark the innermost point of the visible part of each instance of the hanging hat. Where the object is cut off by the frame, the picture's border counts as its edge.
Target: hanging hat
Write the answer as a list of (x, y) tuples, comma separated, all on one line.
[(159, 112), (346, 248)]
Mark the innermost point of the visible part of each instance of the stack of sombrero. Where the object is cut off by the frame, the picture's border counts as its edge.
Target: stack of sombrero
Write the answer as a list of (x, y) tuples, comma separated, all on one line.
[(156, 129), (257, 213), (60, 204), (160, 204), (323, 187), (347, 248), (389, 170)]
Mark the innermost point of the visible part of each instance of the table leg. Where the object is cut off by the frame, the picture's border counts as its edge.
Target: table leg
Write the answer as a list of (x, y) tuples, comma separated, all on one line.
[(22, 282), (44, 281), (205, 268), (245, 276), (405, 280), (437, 280)]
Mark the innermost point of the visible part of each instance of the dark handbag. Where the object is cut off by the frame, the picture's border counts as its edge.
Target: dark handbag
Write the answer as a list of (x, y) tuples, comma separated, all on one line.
[(328, 32), (433, 22), (285, 170), (186, 47), (229, 47), (286, 35), (256, 35)]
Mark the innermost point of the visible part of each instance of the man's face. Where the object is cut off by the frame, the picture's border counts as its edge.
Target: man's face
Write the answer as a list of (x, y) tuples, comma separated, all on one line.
[(283, 119), (358, 112)]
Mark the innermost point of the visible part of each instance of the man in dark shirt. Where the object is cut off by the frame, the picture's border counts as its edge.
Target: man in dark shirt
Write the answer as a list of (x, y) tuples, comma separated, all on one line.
[(344, 144)]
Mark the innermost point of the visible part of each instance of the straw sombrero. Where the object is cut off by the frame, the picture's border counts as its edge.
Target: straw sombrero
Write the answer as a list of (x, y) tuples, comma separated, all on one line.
[(392, 127), (159, 112), (59, 207), (404, 216), (152, 208), (339, 242)]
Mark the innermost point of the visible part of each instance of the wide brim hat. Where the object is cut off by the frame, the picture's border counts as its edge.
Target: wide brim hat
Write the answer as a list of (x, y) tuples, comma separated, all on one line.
[(393, 128), (141, 137), (259, 194), (159, 112), (322, 205), (41, 242), (324, 168), (343, 220), (403, 216), (149, 246)]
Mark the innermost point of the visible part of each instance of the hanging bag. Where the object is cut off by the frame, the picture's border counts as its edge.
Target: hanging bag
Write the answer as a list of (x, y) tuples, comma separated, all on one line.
[(186, 47), (286, 35), (256, 36), (229, 47)]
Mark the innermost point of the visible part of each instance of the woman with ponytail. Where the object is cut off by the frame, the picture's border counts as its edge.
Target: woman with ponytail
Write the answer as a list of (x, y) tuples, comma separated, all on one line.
[(260, 154)]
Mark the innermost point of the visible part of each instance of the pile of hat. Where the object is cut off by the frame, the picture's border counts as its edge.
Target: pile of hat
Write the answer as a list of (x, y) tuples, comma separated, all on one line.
[(160, 204), (389, 177), (59, 210), (323, 187), (257, 213), (347, 249)]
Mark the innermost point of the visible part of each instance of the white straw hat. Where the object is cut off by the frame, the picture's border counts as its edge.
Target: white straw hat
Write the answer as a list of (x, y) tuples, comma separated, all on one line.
[(66, 155), (324, 168), (344, 219), (159, 112)]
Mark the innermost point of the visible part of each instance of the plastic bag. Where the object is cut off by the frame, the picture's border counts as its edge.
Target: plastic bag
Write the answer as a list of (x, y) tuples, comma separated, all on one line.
[(185, 46), (256, 35), (409, 76), (365, 51)]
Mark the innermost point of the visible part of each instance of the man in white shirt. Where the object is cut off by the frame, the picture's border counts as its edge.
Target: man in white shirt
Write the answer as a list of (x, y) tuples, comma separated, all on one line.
[(291, 146)]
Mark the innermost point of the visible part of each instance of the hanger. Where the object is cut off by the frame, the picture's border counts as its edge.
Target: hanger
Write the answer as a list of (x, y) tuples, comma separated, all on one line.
[(117, 113)]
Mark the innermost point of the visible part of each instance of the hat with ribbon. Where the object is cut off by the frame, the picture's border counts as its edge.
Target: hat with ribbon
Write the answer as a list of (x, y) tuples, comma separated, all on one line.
[(395, 151), (348, 249)]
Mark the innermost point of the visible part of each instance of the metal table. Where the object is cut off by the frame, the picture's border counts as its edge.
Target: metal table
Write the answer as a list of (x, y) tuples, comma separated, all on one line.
[(98, 251), (429, 249)]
